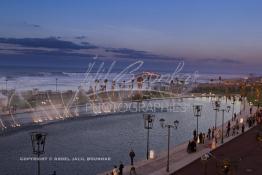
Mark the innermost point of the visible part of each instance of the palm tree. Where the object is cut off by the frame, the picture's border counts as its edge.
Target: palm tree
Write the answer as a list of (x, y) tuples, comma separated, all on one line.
[(171, 85), (96, 83), (220, 79), (177, 81), (105, 81), (132, 86), (113, 87), (124, 84), (140, 82)]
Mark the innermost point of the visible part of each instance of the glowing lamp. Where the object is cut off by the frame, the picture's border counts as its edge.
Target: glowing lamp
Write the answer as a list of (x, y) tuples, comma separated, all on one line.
[(152, 154), (241, 120)]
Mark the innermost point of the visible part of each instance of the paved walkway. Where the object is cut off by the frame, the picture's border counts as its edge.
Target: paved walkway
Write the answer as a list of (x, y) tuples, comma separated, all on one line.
[(179, 157), (242, 153)]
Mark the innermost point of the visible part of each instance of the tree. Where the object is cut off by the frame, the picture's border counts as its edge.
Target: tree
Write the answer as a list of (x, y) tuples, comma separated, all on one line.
[(105, 81)]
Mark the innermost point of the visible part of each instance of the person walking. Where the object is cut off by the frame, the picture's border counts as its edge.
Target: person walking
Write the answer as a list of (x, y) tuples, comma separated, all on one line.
[(189, 147), (237, 125), (121, 167), (234, 130), (243, 128), (132, 156), (209, 134), (213, 133), (132, 171), (228, 131), (229, 124), (228, 128), (200, 138), (235, 116), (195, 135)]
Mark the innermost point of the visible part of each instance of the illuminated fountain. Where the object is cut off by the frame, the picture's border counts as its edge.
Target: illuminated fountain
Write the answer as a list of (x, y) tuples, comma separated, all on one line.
[(2, 125), (11, 110)]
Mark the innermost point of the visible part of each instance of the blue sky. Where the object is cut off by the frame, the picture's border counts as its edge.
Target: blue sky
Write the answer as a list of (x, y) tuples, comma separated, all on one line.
[(192, 29)]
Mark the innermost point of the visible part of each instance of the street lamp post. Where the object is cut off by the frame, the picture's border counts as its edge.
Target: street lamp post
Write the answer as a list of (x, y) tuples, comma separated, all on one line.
[(56, 84), (148, 124), (197, 113), (76, 106), (227, 109), (244, 103), (6, 80), (38, 145), (163, 125), (233, 107), (216, 106)]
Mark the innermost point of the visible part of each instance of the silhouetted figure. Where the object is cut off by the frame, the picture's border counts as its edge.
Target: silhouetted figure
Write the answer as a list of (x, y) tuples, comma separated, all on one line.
[(132, 171), (235, 116), (132, 156), (195, 135), (188, 146), (191, 147), (234, 130), (209, 134), (243, 128), (228, 128), (121, 167), (201, 138), (228, 124), (237, 126), (213, 133)]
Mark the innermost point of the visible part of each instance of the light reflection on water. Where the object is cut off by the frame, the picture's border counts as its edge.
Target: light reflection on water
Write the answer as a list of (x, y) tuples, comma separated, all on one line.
[(111, 136)]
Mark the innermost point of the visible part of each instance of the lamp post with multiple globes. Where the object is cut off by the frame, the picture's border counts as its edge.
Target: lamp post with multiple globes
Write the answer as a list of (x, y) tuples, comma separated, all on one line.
[(168, 126)]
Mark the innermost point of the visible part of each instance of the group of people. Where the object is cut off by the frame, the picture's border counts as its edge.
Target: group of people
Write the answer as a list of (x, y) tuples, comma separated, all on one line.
[(214, 133), (258, 116), (119, 170), (236, 128), (191, 147), (211, 133), (201, 136), (251, 121)]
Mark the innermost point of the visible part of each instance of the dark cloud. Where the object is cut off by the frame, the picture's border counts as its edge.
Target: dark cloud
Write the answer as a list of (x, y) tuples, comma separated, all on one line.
[(86, 44), (56, 46), (32, 25), (220, 61), (36, 25), (52, 42), (80, 37), (47, 52), (136, 54), (126, 51), (56, 53)]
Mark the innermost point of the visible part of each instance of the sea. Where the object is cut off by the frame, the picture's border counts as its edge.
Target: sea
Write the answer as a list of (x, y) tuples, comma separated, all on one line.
[(108, 136), (22, 78)]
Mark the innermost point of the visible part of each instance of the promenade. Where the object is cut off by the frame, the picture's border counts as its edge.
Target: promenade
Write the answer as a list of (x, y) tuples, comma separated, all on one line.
[(241, 156), (179, 157)]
